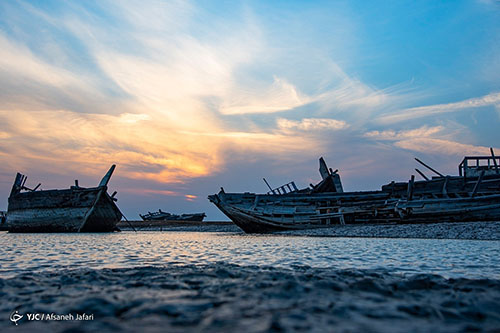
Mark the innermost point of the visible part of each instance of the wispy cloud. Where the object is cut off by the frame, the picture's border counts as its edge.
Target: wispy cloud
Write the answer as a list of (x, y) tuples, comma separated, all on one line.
[(423, 131), (442, 147), (352, 93), (176, 87), (424, 111), (280, 96), (190, 197), (429, 140), (150, 192), (311, 124), (19, 60), (166, 87)]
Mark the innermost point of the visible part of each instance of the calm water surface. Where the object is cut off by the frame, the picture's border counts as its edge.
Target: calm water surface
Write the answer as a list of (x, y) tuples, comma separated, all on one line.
[(449, 258)]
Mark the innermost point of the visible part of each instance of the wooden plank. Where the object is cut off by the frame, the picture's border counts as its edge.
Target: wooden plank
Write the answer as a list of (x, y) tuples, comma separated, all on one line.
[(92, 208), (444, 191), (66, 219), (428, 167), (107, 176), (53, 199), (16, 187), (421, 174), (410, 188), (270, 188), (323, 169), (494, 160), (476, 187)]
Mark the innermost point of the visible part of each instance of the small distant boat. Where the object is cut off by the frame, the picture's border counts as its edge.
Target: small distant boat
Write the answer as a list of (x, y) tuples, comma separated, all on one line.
[(76, 209), (164, 216), (473, 195)]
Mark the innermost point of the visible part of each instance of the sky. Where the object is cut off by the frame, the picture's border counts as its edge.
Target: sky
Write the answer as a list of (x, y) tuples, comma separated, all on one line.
[(186, 97)]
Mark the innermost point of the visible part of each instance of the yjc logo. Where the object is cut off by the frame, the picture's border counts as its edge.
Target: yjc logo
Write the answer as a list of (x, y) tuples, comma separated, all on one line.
[(15, 317)]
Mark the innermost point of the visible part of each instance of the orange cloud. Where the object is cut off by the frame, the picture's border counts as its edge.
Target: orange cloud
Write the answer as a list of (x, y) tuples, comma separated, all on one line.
[(190, 197), (142, 191)]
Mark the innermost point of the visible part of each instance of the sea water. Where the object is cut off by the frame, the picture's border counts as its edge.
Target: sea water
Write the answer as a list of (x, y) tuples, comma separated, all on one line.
[(449, 258)]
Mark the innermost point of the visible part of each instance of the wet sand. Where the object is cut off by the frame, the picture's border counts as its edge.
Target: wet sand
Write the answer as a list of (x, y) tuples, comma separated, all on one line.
[(455, 230), (212, 226), (230, 298)]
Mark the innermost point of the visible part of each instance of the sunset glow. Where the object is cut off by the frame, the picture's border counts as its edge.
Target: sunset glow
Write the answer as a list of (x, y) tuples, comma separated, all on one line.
[(186, 97)]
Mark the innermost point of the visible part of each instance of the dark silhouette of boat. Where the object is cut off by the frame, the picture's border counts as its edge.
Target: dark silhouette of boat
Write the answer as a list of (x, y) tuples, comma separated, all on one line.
[(164, 216), (473, 195), (76, 209)]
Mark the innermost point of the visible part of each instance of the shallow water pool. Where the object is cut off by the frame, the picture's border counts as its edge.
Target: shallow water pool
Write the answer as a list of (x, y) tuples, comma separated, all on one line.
[(448, 258)]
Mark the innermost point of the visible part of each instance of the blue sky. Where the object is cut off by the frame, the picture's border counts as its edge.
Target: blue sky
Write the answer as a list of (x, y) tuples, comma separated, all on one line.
[(186, 97)]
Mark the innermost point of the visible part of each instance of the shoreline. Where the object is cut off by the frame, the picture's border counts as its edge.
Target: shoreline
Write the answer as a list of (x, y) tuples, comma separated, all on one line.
[(450, 230), (487, 231), (171, 223), (197, 226)]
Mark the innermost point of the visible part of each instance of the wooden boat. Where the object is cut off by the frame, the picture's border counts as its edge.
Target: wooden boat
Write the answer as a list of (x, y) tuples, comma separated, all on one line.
[(164, 216), (473, 195), (76, 209)]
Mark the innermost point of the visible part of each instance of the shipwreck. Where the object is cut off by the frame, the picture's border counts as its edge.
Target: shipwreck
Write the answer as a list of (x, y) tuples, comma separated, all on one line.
[(472, 195), (76, 209), (165, 216)]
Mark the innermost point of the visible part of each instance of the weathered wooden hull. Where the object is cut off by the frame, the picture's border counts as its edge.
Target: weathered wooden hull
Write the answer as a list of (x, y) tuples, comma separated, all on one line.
[(258, 213), (474, 195), (253, 214), (450, 184), (193, 217), (71, 210), (479, 208), (251, 222)]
